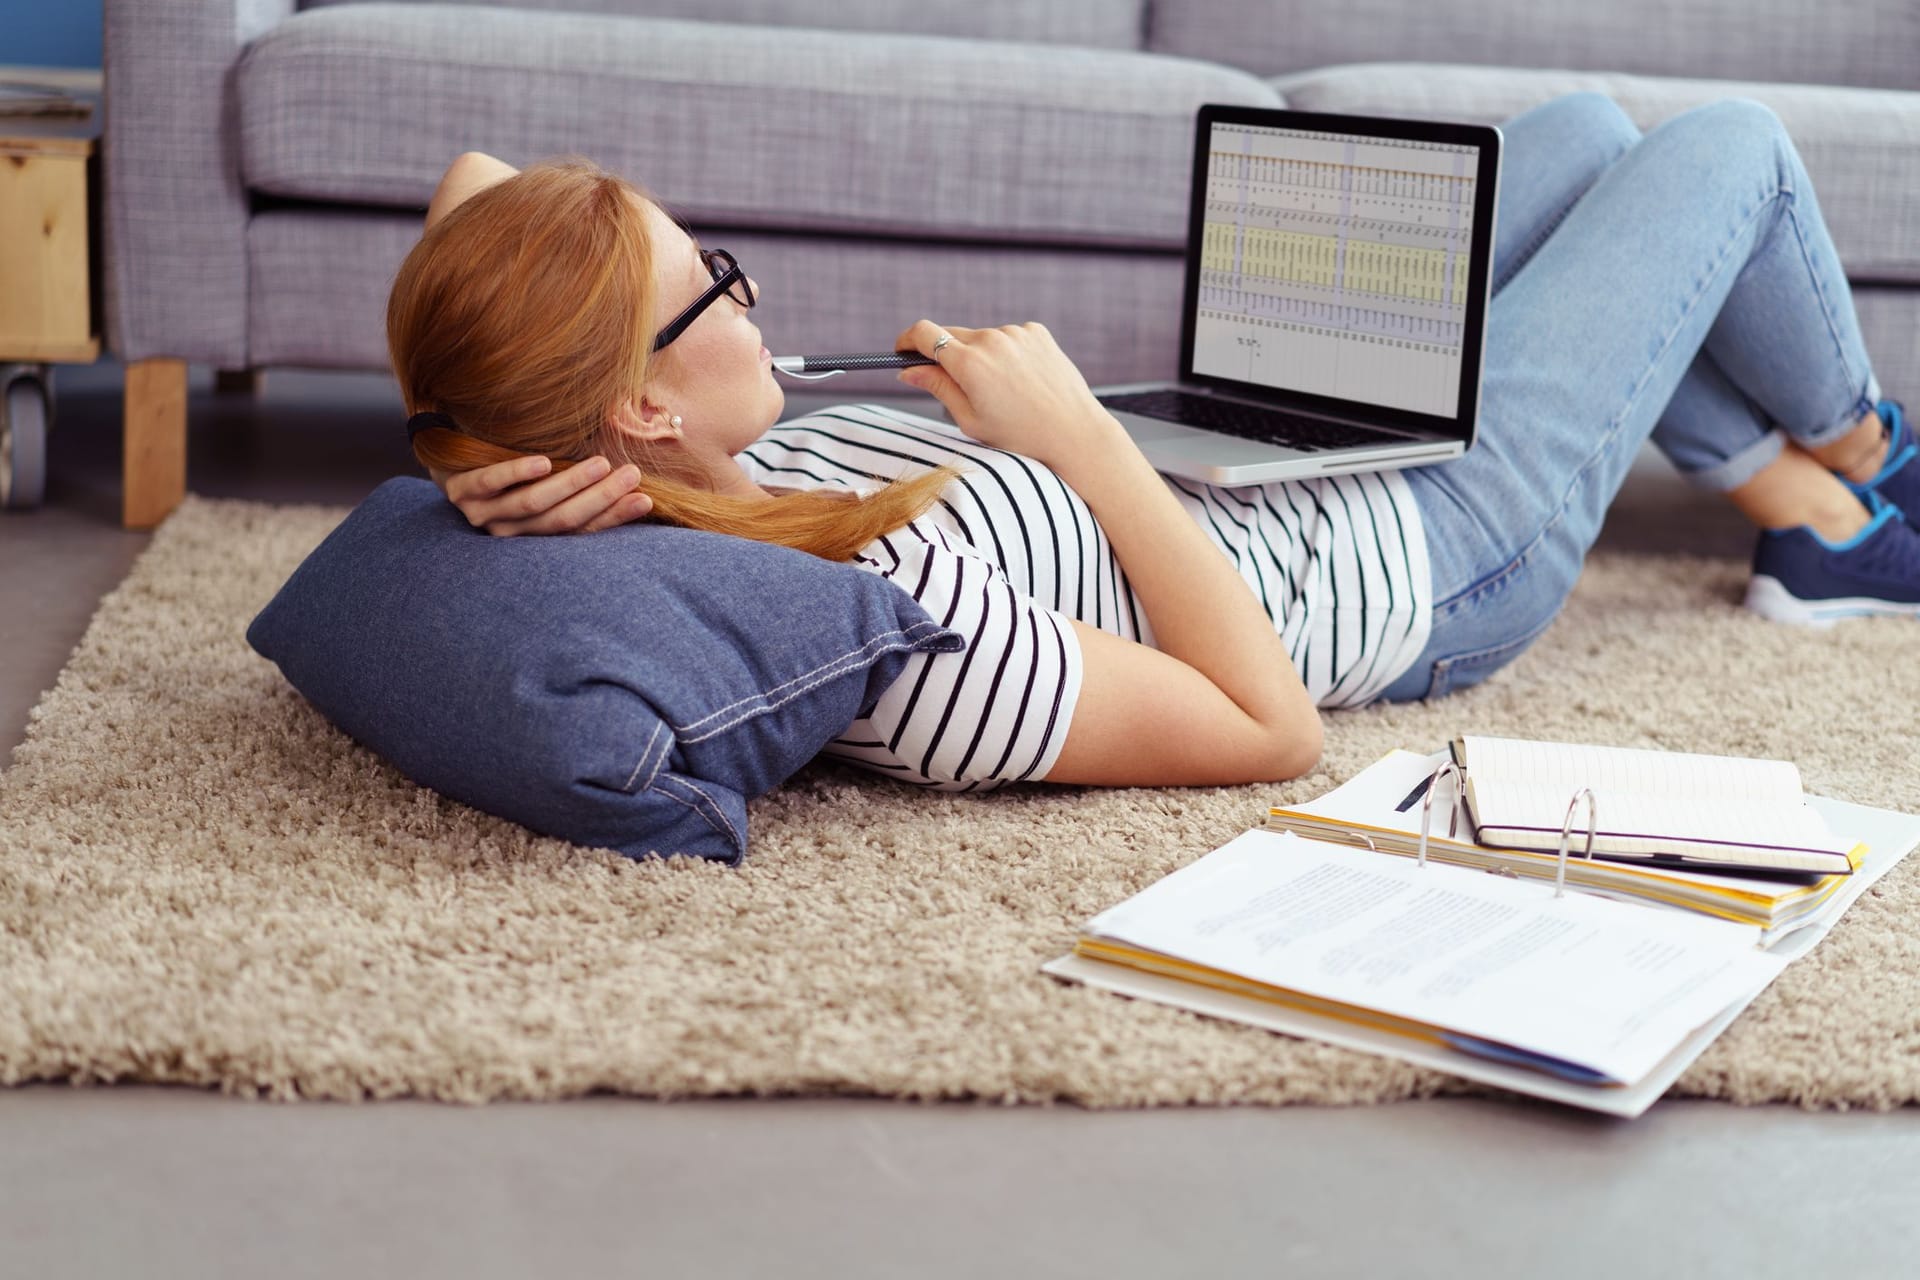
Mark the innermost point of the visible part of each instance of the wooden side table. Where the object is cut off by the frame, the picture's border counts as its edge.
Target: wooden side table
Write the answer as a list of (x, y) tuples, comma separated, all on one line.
[(50, 308)]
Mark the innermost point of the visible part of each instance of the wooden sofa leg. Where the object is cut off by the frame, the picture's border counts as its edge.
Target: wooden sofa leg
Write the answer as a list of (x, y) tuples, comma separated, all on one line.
[(236, 382), (154, 442)]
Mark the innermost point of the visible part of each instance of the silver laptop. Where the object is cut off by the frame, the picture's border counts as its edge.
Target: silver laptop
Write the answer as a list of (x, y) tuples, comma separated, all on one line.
[(1337, 285)]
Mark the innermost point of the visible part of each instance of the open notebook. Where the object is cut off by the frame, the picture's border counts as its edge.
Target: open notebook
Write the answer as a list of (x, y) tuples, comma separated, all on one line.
[(1658, 807), (1381, 808)]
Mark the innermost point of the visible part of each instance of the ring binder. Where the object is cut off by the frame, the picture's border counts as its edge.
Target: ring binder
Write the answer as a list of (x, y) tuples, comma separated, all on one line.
[(1452, 770), (1566, 837)]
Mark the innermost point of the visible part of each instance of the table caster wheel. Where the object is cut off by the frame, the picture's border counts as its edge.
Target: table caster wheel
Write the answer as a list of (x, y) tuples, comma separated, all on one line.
[(25, 411)]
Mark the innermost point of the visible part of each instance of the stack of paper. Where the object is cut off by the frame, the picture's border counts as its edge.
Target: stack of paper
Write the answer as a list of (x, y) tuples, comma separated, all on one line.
[(1593, 1000)]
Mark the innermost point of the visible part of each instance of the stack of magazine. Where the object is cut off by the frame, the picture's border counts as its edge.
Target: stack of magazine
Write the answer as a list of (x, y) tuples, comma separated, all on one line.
[(22, 98), (1591, 969)]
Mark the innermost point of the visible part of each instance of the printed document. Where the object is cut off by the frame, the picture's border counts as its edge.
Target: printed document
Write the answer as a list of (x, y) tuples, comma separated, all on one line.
[(1609, 987)]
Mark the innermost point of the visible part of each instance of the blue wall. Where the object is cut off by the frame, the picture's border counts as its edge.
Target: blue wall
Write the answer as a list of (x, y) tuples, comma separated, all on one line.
[(50, 33)]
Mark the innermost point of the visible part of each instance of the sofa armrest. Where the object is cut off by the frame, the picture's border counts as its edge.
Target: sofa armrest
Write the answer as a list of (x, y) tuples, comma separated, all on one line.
[(173, 233)]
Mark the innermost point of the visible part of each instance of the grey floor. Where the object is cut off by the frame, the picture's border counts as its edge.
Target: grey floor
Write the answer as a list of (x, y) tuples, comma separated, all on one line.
[(183, 1182)]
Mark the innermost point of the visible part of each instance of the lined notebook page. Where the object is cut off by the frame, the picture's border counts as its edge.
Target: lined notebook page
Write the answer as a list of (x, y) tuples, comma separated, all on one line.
[(1650, 794)]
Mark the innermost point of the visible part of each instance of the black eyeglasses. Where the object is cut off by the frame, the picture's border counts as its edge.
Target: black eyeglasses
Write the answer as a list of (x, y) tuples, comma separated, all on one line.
[(728, 278)]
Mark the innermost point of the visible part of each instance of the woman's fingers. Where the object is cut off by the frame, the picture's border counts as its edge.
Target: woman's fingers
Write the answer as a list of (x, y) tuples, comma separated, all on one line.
[(544, 495), (518, 496), (1010, 386), (635, 506), (923, 334), (938, 380), (494, 479), (568, 514)]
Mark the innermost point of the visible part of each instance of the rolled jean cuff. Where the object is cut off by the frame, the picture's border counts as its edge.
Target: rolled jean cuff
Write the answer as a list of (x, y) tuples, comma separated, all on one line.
[(1724, 477), (1868, 401)]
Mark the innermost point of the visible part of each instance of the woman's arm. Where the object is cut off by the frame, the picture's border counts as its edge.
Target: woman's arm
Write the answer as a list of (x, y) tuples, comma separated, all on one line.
[(1219, 701)]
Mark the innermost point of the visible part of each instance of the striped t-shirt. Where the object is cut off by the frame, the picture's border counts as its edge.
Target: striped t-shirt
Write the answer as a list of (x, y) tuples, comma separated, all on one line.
[(1010, 552)]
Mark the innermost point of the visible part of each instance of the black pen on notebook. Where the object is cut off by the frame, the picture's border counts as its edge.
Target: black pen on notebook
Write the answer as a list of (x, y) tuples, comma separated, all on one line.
[(827, 366)]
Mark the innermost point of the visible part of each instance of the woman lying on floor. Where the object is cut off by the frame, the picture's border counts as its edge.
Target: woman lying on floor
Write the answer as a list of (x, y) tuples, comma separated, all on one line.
[(1129, 629)]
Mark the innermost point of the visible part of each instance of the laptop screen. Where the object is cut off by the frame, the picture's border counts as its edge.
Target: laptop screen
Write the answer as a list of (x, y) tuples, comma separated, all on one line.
[(1339, 265)]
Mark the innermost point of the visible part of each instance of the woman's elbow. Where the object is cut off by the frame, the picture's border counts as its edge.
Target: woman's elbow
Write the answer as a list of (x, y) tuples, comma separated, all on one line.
[(470, 172), (1297, 748)]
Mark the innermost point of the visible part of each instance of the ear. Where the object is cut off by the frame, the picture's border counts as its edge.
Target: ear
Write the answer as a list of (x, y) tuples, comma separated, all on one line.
[(646, 421)]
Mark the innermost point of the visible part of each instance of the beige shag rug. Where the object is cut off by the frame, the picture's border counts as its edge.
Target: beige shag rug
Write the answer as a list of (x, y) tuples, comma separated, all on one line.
[(203, 882)]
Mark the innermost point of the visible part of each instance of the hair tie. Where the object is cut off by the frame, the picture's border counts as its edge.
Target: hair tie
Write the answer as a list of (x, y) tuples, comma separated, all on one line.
[(428, 418)]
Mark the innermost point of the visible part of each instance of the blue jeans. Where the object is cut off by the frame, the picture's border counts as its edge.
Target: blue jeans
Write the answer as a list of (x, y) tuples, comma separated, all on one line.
[(1679, 287)]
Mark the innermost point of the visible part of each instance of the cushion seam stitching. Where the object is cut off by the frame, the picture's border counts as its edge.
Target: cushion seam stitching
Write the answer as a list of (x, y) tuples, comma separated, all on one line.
[(722, 824), (784, 692), (642, 762)]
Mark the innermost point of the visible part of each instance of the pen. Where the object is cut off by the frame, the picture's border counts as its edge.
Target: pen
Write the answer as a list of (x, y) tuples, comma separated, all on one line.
[(1414, 795), (826, 366)]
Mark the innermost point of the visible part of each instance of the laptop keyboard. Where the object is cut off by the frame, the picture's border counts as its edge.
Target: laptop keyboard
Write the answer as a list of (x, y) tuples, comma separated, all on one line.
[(1250, 422)]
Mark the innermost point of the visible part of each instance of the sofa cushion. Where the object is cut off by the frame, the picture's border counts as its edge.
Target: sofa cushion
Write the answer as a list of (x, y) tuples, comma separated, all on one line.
[(1861, 146), (780, 128), (1869, 43), (1098, 24), (629, 690)]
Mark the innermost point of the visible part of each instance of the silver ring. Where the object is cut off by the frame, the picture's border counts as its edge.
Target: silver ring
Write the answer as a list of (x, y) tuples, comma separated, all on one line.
[(940, 342)]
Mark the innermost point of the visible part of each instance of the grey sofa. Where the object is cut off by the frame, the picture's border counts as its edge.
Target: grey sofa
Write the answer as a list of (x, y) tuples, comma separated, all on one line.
[(267, 162)]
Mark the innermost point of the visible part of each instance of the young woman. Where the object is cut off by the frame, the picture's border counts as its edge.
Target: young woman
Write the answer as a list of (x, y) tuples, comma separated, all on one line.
[(1125, 628)]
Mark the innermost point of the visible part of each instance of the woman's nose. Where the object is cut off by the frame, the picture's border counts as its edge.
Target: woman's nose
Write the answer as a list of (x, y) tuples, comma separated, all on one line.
[(753, 287)]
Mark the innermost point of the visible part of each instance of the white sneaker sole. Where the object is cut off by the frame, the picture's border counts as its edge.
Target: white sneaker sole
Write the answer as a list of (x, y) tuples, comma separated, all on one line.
[(1770, 598)]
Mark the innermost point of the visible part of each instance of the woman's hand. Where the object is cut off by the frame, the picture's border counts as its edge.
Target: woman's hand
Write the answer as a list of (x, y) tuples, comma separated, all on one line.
[(518, 496), (1013, 388)]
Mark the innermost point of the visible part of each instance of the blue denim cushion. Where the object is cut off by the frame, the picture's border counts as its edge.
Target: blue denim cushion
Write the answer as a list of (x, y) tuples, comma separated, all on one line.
[(629, 690)]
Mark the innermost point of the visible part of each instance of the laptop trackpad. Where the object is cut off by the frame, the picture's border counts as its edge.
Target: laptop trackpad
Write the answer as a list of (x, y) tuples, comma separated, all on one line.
[(1147, 430), (1175, 442), (1228, 453)]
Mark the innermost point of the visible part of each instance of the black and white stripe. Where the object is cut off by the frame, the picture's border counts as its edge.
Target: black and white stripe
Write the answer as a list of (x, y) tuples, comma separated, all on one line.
[(1011, 552)]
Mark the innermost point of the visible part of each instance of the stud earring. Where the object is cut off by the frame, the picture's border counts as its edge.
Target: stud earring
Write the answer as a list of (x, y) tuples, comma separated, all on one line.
[(674, 422)]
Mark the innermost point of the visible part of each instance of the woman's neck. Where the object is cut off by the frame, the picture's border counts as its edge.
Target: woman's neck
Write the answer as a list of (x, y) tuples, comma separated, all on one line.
[(731, 480), (721, 475)]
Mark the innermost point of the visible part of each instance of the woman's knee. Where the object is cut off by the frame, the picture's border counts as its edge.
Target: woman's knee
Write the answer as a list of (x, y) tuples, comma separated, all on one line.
[(1730, 126), (1594, 118)]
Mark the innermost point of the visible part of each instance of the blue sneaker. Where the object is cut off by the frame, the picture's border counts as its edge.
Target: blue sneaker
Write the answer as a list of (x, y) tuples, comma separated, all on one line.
[(1899, 478), (1800, 577)]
